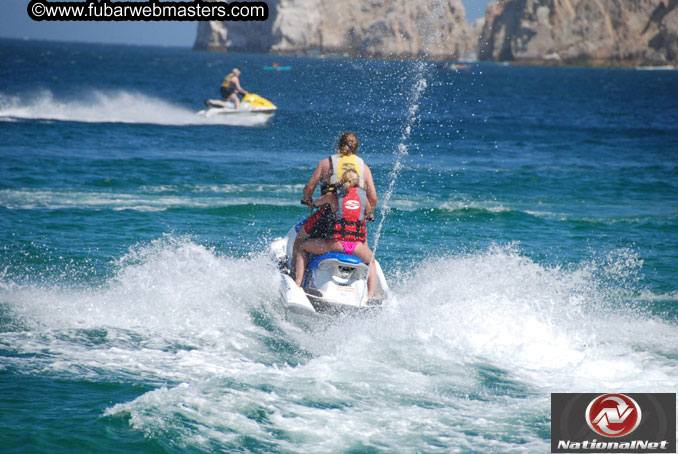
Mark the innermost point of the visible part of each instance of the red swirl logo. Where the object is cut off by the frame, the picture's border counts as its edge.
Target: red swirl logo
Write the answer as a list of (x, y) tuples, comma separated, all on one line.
[(613, 415)]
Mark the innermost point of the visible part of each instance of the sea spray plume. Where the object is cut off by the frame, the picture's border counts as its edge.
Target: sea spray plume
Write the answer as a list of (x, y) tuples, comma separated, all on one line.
[(421, 72), (401, 150)]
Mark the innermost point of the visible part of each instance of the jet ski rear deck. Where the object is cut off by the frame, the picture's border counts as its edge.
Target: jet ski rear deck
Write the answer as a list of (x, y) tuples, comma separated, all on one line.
[(334, 283)]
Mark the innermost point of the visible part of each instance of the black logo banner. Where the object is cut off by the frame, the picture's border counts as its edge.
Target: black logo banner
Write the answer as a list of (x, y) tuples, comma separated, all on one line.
[(613, 422)]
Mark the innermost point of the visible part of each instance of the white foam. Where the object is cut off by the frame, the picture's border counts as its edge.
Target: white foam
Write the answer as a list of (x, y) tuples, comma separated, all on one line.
[(474, 344), (554, 328), (653, 296), (164, 301), (114, 106)]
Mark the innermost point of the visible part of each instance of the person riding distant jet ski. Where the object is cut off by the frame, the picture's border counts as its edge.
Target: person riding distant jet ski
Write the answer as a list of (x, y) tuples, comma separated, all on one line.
[(230, 88), (346, 232), (328, 173)]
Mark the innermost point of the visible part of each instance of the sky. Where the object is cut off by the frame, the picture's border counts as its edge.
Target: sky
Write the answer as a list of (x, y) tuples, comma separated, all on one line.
[(15, 23)]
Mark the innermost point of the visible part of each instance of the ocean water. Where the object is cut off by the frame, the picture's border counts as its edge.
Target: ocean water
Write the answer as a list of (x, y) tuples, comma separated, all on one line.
[(527, 225)]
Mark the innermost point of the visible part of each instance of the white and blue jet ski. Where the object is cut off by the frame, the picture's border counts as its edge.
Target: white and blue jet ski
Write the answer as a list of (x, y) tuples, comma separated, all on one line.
[(334, 283)]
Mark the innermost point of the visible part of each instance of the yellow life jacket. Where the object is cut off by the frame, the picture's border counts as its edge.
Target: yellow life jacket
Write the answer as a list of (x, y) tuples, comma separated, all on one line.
[(341, 164), (227, 80)]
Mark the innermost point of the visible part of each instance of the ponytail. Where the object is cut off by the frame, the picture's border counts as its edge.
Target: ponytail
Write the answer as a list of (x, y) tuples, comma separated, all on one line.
[(348, 144)]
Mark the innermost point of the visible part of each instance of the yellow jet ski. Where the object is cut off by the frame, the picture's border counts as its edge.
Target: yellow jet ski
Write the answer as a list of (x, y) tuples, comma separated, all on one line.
[(250, 104)]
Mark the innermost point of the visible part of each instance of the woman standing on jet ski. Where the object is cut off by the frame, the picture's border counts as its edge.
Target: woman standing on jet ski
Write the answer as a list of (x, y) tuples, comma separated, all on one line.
[(329, 172), (346, 232)]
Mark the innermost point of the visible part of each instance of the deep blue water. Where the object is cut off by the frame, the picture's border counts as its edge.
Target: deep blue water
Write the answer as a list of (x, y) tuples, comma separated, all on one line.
[(528, 225)]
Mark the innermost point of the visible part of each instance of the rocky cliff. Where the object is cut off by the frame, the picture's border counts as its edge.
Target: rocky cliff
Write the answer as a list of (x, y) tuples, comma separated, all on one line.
[(581, 31), (616, 32), (384, 28), (250, 36), (378, 28)]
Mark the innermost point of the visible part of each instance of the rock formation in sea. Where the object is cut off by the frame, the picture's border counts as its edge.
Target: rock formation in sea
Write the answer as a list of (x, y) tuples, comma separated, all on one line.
[(617, 32), (382, 28), (244, 36), (374, 28), (608, 32), (212, 35)]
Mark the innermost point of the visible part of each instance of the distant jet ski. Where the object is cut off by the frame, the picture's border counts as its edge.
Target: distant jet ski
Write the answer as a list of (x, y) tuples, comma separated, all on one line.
[(250, 104), (451, 66), (334, 283)]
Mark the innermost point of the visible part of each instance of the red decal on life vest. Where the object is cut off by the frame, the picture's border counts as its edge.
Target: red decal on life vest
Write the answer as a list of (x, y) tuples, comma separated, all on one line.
[(351, 206)]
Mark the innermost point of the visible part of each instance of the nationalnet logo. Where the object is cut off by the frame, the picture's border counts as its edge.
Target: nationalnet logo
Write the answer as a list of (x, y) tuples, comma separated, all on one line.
[(613, 423), (613, 415)]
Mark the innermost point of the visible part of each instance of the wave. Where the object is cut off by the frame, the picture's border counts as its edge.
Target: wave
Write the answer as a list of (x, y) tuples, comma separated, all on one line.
[(662, 297), (114, 106), (493, 207), (155, 198), (473, 343), (467, 206), (226, 188), (163, 197), (158, 198)]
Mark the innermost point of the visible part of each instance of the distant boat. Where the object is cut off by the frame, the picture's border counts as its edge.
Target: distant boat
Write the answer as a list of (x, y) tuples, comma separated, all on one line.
[(277, 67)]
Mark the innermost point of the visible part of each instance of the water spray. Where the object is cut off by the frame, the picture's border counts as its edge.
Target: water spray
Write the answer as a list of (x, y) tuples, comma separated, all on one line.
[(421, 73), (401, 150)]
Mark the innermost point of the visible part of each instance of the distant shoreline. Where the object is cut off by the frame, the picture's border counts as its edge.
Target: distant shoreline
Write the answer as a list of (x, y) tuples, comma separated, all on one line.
[(97, 43)]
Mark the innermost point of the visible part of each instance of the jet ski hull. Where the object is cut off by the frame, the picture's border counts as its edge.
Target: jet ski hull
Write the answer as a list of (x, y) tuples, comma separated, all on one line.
[(334, 284), (251, 105)]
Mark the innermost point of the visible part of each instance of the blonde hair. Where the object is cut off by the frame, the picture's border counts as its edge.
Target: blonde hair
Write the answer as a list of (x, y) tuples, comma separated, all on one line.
[(348, 144), (349, 179)]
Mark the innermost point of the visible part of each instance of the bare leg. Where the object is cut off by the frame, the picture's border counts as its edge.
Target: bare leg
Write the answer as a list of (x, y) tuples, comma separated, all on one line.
[(371, 279), (300, 267), (300, 238), (365, 254), (316, 246), (235, 99)]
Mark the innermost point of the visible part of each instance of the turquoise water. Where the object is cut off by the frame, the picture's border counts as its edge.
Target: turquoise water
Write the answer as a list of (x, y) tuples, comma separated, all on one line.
[(527, 224)]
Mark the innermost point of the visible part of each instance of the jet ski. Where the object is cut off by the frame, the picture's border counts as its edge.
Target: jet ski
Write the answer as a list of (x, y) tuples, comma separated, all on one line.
[(451, 66), (334, 283), (251, 104)]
